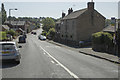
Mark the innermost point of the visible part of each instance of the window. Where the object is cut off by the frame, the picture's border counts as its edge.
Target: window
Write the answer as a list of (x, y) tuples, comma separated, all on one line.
[(71, 36), (62, 35), (7, 46)]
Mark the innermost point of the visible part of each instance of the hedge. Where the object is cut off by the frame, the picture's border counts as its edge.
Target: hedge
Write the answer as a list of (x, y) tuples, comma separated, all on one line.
[(12, 32), (102, 38), (3, 35)]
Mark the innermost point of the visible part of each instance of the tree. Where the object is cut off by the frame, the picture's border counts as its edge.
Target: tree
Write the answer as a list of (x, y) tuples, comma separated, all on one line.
[(11, 32), (12, 18), (48, 23), (2, 35), (4, 16), (51, 33)]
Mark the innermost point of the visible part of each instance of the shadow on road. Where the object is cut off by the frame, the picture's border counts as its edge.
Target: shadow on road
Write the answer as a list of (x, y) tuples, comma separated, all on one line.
[(7, 65)]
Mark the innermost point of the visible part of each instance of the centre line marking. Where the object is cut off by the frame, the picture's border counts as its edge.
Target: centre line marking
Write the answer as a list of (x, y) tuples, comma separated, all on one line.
[(44, 52), (71, 73), (53, 62)]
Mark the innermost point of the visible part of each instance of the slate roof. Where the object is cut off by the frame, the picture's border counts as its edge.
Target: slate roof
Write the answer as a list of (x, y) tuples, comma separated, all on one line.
[(5, 27), (59, 21), (75, 14), (109, 29), (19, 23)]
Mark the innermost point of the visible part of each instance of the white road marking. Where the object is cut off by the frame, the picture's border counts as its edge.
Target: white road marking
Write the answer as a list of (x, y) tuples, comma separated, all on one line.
[(71, 73), (53, 47), (44, 52), (53, 62)]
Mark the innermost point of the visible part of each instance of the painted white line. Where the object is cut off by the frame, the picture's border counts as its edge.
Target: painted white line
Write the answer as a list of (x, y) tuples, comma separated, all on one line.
[(53, 62), (44, 52), (71, 73)]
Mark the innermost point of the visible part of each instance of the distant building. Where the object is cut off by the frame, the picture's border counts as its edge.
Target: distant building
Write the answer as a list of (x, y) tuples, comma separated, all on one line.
[(5, 28), (112, 27), (79, 25), (18, 25), (109, 29)]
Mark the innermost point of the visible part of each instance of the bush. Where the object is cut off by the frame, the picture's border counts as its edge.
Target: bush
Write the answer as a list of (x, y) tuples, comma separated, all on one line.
[(44, 33), (48, 23), (3, 36), (11, 32), (102, 38), (51, 33)]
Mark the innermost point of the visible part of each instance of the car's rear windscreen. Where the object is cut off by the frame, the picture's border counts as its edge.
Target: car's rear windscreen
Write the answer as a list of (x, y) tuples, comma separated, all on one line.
[(7, 46)]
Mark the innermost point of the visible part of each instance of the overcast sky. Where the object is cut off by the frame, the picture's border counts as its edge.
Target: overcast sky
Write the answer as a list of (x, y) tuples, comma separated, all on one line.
[(52, 8), (59, 0)]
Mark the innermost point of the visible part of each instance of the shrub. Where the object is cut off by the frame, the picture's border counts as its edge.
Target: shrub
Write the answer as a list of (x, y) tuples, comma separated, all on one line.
[(51, 33), (102, 38), (44, 33), (48, 23), (11, 32), (3, 36)]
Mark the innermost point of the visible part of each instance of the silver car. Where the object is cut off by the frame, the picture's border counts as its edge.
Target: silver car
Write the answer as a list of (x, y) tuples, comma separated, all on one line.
[(9, 51), (41, 37)]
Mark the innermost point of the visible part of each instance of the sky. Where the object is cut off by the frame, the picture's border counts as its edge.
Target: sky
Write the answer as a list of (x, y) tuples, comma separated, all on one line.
[(51, 8)]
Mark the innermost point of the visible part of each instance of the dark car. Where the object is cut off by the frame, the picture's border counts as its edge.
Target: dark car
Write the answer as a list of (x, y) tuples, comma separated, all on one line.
[(34, 33), (25, 35), (22, 39)]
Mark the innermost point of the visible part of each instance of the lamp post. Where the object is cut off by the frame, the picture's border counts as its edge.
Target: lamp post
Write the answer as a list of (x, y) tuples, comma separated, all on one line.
[(118, 38), (10, 14)]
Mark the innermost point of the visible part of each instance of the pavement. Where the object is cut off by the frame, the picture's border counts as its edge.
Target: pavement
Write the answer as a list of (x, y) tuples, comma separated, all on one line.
[(89, 51)]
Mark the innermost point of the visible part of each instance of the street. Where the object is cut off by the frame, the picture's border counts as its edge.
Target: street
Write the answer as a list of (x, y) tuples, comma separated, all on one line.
[(41, 59)]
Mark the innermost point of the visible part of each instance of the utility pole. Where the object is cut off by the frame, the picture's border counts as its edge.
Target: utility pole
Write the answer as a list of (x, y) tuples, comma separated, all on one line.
[(118, 38), (10, 15)]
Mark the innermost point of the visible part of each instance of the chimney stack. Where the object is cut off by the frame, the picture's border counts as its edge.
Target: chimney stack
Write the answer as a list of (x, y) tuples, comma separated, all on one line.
[(90, 5), (70, 11), (63, 14)]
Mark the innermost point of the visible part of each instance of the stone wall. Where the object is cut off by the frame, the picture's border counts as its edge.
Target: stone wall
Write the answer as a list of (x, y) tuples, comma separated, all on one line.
[(103, 48)]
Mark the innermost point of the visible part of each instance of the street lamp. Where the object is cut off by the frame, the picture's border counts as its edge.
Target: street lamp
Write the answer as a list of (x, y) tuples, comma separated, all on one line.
[(10, 14), (118, 38)]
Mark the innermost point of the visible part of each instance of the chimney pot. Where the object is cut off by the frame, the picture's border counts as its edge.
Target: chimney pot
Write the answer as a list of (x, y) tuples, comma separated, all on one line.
[(63, 14), (90, 5), (69, 11)]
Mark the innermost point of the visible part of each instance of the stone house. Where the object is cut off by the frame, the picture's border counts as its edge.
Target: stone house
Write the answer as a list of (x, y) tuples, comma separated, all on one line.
[(79, 25), (18, 26), (5, 28)]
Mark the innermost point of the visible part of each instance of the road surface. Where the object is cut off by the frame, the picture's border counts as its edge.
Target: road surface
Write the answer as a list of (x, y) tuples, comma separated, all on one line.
[(41, 59)]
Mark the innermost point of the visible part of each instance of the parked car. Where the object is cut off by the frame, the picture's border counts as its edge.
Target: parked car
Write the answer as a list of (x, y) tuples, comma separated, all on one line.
[(9, 51), (41, 37), (34, 33), (25, 35), (22, 39), (31, 32)]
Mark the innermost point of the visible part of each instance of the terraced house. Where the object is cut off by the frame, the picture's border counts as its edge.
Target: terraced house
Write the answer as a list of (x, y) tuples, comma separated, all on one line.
[(79, 25)]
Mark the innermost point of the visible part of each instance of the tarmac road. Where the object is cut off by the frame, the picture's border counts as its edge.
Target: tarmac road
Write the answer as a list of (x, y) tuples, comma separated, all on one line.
[(41, 59)]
